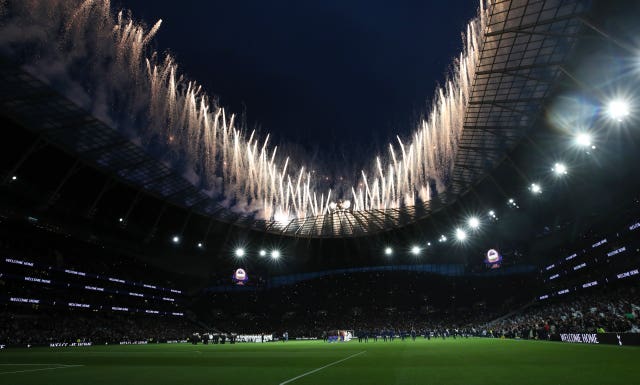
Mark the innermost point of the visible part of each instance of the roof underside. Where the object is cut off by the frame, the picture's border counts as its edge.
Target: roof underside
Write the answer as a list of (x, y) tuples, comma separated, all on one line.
[(525, 45)]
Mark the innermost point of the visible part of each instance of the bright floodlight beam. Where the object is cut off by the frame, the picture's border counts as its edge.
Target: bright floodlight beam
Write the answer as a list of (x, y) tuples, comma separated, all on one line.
[(275, 254), (175, 239), (618, 109), (239, 252), (415, 250), (262, 253), (388, 251), (535, 188), (461, 235), (559, 169), (474, 222), (583, 139)]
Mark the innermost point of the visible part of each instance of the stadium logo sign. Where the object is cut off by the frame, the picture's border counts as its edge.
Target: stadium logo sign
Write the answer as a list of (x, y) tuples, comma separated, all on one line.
[(580, 338)]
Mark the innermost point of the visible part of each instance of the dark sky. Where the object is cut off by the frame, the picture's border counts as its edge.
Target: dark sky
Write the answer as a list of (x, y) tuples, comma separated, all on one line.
[(337, 78)]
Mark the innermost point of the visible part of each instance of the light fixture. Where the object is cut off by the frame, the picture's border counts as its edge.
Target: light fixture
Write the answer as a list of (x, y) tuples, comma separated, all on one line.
[(474, 222), (442, 238), (415, 250), (461, 235), (239, 252), (275, 254), (618, 109), (200, 245), (535, 188), (583, 139), (175, 239), (262, 253), (388, 251), (559, 169)]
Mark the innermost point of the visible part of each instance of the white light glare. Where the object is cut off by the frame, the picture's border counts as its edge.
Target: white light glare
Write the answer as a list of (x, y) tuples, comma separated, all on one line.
[(120, 219), (175, 239), (535, 188), (346, 204), (275, 254), (442, 239), (388, 251), (200, 245), (239, 252), (14, 177), (461, 235), (492, 214), (262, 253), (618, 109), (583, 139), (559, 169), (415, 250), (333, 205), (474, 222)]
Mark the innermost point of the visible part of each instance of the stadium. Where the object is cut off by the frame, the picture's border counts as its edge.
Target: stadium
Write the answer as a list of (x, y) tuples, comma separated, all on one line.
[(213, 205)]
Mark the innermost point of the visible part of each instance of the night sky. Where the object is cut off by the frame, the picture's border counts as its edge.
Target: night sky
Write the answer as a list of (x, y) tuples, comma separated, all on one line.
[(334, 79)]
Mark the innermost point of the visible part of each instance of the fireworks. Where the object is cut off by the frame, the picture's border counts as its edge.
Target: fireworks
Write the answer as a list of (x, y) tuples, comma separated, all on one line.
[(100, 61)]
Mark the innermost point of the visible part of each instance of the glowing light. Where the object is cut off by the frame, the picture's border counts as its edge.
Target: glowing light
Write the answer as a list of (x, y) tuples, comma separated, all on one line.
[(333, 205), (535, 188), (388, 251), (442, 238), (239, 252), (474, 222), (14, 177), (346, 204), (262, 253), (120, 219), (415, 250), (428, 243), (175, 239), (281, 218), (583, 139), (275, 254), (618, 109), (200, 245), (559, 169), (461, 235)]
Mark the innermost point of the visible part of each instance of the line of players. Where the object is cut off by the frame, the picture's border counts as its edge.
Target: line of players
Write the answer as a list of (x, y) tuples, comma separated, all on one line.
[(390, 334)]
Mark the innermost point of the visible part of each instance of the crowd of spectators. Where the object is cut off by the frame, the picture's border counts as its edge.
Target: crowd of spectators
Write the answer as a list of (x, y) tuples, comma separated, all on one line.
[(24, 326), (600, 311)]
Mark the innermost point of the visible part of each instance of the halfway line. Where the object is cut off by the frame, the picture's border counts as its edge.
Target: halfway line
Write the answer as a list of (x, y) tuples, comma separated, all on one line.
[(323, 367)]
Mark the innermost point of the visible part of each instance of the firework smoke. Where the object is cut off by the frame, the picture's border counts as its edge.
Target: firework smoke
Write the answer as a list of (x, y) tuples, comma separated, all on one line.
[(100, 60)]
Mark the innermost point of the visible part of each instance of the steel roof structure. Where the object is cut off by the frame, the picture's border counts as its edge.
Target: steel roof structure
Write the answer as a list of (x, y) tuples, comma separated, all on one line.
[(525, 44)]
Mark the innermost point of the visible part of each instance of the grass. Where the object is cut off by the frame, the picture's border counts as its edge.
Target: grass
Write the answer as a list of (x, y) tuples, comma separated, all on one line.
[(438, 362)]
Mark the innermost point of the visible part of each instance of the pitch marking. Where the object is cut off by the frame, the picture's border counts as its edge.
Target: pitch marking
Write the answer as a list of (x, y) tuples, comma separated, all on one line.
[(319, 369), (60, 366)]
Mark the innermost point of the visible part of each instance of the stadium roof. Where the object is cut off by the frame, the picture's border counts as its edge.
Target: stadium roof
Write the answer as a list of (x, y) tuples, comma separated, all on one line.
[(524, 47)]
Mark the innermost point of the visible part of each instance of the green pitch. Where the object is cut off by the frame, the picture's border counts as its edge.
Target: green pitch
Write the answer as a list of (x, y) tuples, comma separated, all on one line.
[(460, 362)]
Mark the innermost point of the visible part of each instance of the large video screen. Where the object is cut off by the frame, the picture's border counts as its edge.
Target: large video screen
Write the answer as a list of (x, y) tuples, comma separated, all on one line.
[(493, 259), (240, 277)]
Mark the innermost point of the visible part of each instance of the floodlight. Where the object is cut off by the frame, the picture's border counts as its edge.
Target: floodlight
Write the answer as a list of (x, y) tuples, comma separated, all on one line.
[(474, 222), (618, 109), (200, 245), (262, 253), (415, 250), (175, 239), (559, 169), (461, 235), (14, 177), (239, 252), (442, 238), (388, 251), (535, 188), (275, 254), (583, 139)]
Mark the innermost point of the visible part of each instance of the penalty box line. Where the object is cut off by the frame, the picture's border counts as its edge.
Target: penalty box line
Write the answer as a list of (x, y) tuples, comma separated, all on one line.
[(320, 368), (54, 366)]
